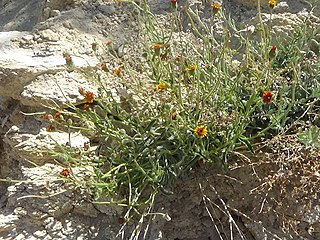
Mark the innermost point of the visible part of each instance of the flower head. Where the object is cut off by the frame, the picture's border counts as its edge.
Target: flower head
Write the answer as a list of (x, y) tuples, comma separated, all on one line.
[(161, 86), (65, 172), (156, 46), (273, 52), (267, 97), (50, 128), (272, 3), (174, 2), (58, 116), (200, 131), (174, 116), (191, 68), (215, 7), (46, 116), (117, 72), (89, 97)]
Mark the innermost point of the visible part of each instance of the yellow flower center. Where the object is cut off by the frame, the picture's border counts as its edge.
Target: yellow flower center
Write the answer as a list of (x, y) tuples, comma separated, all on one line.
[(200, 131), (161, 87)]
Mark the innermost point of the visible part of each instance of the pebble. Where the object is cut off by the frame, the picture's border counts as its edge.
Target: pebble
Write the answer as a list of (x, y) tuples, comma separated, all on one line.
[(106, 9), (121, 50), (55, 13), (49, 35), (99, 16), (28, 38)]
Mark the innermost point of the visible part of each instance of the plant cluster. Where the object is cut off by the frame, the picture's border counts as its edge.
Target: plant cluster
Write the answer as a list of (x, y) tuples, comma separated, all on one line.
[(198, 104)]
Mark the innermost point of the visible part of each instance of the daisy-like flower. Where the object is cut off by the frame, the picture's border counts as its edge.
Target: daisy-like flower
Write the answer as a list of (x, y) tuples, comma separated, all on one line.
[(156, 46), (89, 97), (46, 116), (174, 116), (50, 128), (215, 7), (57, 116), (65, 172), (161, 87), (267, 97), (191, 68), (200, 131), (273, 52), (117, 72), (272, 3)]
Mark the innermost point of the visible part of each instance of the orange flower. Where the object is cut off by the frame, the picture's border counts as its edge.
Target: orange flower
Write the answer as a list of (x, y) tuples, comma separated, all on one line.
[(50, 128), (156, 46), (200, 131), (46, 116), (215, 7), (174, 116), (272, 3), (65, 172), (117, 72), (267, 97), (161, 86), (191, 68), (57, 116), (89, 97)]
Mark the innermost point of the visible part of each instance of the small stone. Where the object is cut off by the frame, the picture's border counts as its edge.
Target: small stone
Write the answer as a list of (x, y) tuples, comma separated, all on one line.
[(40, 234), (49, 35), (86, 209), (107, 9), (121, 51), (99, 16), (281, 7), (54, 13), (28, 38)]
